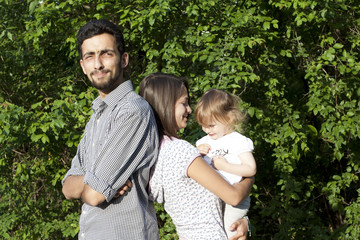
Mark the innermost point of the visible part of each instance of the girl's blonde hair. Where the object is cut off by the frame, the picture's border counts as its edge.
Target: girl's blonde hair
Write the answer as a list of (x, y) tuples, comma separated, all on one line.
[(221, 106)]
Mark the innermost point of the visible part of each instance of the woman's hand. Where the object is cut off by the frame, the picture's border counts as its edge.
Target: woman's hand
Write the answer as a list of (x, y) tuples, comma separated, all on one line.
[(241, 228)]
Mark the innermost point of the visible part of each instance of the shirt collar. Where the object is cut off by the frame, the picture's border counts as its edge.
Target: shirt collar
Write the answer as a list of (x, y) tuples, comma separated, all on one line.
[(114, 96)]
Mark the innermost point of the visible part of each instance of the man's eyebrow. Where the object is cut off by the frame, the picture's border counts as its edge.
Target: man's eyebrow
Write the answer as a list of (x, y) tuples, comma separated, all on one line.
[(107, 50), (101, 52), (88, 53)]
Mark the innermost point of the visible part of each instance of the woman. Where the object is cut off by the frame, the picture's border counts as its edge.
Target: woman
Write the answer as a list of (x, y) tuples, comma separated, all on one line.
[(182, 181)]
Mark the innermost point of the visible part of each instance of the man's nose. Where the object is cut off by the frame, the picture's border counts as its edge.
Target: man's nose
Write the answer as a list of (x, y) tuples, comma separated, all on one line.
[(98, 63)]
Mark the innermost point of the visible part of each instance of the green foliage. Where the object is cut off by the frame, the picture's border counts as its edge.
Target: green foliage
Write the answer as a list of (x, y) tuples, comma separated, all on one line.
[(295, 65), (167, 229)]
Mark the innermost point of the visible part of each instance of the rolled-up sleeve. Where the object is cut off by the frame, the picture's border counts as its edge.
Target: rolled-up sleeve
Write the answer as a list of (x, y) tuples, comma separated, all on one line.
[(128, 147), (77, 168)]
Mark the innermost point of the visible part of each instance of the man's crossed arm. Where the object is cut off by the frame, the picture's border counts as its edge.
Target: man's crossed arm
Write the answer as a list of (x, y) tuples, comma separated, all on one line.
[(75, 188)]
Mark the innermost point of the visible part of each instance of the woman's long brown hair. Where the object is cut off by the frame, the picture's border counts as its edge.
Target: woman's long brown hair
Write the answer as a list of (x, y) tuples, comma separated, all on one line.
[(162, 90)]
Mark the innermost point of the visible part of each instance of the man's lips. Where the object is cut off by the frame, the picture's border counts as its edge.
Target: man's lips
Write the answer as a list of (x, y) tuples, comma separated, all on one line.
[(99, 73)]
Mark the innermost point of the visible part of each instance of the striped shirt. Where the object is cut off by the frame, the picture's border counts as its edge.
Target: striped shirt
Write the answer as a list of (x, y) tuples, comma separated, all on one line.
[(120, 142)]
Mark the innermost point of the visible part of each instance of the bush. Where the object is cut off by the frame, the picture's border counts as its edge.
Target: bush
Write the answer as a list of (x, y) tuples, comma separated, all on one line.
[(295, 65)]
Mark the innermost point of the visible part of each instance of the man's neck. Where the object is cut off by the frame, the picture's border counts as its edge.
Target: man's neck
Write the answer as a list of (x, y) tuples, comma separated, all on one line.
[(104, 93)]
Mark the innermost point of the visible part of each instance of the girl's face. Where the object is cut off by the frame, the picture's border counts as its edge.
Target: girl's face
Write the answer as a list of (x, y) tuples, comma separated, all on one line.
[(182, 111), (216, 129)]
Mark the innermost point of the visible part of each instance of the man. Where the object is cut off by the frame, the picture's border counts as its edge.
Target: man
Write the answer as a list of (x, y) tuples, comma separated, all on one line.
[(120, 143)]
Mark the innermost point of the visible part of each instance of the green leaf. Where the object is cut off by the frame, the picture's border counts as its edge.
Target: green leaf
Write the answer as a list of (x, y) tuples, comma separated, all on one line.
[(203, 57), (312, 129), (32, 6), (338, 46), (266, 25), (9, 35), (251, 111)]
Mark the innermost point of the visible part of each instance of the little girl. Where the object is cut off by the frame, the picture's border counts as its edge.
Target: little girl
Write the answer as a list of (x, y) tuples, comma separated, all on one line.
[(225, 149)]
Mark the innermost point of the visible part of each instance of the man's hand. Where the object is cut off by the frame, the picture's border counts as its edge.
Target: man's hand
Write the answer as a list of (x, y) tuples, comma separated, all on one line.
[(241, 228), (204, 149), (125, 188)]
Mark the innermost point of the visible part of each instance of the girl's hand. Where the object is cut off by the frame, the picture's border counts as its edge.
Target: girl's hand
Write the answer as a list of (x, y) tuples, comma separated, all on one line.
[(219, 162), (204, 149)]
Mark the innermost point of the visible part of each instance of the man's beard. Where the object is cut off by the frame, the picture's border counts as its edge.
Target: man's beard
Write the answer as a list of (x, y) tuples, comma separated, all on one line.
[(106, 86)]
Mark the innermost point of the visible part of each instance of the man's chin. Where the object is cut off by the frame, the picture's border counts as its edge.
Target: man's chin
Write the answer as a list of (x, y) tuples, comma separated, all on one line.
[(101, 86), (105, 85)]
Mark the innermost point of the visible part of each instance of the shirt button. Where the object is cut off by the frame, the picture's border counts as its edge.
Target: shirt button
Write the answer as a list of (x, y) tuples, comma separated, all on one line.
[(84, 212), (82, 235)]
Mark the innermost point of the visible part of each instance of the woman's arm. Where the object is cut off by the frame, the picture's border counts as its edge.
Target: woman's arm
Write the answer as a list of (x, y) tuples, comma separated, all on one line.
[(206, 176)]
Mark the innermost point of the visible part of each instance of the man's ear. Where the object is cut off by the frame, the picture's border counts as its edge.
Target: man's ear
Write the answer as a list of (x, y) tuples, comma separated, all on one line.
[(124, 60), (82, 66)]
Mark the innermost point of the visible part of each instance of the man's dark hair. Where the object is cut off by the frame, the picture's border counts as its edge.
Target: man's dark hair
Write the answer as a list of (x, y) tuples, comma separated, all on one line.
[(97, 27)]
